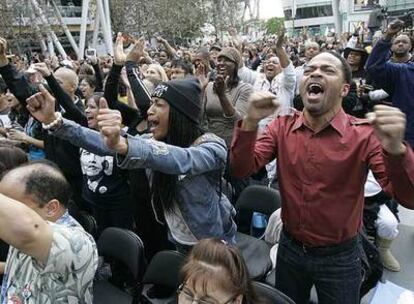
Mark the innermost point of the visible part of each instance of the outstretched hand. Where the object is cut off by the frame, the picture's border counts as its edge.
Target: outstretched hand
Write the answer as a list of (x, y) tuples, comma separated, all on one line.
[(137, 52), (393, 28), (281, 38), (110, 125), (119, 55), (42, 106)]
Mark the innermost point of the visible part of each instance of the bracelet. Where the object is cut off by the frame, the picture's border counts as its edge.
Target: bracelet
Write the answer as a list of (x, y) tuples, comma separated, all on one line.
[(53, 123)]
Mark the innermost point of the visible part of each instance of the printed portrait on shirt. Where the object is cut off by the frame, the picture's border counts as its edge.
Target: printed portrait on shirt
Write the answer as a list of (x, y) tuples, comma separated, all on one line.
[(95, 168)]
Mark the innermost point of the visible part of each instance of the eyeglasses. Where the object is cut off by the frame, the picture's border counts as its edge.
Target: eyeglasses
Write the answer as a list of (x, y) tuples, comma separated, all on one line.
[(188, 298)]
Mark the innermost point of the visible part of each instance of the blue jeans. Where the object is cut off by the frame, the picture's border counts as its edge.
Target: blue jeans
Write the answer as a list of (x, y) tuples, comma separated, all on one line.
[(335, 271)]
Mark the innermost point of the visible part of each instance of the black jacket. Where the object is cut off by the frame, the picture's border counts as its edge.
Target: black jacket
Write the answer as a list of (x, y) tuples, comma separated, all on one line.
[(59, 151)]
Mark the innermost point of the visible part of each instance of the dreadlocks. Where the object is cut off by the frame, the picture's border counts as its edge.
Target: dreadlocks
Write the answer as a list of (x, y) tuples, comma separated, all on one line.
[(182, 132)]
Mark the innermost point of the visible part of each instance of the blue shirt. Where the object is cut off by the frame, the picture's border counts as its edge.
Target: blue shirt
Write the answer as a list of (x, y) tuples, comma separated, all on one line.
[(397, 76)]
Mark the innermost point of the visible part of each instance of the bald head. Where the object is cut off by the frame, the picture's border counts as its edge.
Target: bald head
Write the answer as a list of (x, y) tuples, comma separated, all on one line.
[(311, 49), (68, 80), (401, 46), (36, 184)]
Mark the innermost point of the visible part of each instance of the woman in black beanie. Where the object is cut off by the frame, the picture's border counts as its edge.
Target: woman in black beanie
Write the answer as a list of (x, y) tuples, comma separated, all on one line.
[(186, 165)]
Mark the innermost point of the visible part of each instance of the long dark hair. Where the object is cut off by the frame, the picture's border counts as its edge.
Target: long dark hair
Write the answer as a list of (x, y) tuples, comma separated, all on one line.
[(234, 79), (182, 132)]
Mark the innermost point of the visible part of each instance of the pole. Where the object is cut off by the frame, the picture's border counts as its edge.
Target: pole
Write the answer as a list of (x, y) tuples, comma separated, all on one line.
[(337, 17), (96, 27), (50, 46), (109, 26), (37, 31), (65, 28), (293, 16), (49, 30), (101, 15), (82, 34)]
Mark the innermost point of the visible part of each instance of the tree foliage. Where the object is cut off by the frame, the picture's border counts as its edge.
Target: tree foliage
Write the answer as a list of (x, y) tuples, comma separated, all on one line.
[(172, 17), (6, 20), (175, 18), (273, 25)]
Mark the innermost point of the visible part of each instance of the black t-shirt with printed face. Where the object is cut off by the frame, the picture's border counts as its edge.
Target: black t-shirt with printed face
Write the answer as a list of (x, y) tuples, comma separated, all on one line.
[(105, 185)]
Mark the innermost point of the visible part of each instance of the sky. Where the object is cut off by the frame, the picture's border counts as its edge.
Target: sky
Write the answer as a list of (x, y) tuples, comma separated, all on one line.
[(270, 8)]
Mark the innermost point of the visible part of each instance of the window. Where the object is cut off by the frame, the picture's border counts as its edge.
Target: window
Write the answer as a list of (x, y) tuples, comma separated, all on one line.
[(288, 14), (362, 5), (310, 12)]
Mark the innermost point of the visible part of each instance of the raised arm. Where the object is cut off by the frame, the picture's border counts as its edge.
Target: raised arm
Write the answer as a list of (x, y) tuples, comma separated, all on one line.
[(16, 82), (112, 83), (141, 95), (30, 234), (72, 112), (98, 75), (42, 107), (136, 152), (128, 113), (168, 48), (246, 154), (280, 50), (289, 74), (377, 65), (392, 161)]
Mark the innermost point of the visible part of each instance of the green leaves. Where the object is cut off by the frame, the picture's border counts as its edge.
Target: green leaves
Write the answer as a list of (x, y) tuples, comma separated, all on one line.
[(273, 25)]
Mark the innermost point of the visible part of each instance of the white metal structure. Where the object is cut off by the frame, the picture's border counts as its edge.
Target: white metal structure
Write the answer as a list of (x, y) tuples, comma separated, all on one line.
[(50, 33), (102, 24)]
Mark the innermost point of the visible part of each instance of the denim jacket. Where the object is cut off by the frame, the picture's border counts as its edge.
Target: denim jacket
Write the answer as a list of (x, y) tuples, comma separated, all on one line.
[(206, 212)]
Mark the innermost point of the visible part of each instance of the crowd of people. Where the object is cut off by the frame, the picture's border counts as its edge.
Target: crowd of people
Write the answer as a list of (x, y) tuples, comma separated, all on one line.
[(163, 141)]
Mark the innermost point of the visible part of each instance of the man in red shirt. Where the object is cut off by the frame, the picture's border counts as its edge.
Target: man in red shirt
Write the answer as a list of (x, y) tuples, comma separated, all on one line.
[(323, 159)]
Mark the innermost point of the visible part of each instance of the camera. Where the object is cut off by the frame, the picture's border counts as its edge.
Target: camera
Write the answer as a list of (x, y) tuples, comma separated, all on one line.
[(90, 52)]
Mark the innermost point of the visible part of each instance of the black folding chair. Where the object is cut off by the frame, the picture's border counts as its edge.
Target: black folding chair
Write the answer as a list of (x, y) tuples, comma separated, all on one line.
[(271, 295), (163, 271), (123, 246), (256, 252)]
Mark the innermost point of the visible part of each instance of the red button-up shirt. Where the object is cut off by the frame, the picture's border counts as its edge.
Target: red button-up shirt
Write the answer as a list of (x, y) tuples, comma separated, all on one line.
[(321, 175)]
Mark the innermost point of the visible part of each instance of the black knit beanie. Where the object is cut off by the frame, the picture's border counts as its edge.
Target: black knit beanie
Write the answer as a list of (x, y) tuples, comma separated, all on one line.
[(184, 95)]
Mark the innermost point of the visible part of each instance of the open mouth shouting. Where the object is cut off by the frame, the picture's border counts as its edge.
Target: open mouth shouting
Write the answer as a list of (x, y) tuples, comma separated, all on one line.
[(314, 91), (91, 119), (152, 125)]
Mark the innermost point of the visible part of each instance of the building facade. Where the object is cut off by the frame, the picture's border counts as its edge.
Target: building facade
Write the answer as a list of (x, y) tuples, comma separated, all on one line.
[(315, 14), (319, 16), (352, 12)]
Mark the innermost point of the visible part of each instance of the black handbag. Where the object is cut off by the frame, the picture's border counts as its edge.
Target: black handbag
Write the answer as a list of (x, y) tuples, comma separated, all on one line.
[(372, 268)]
